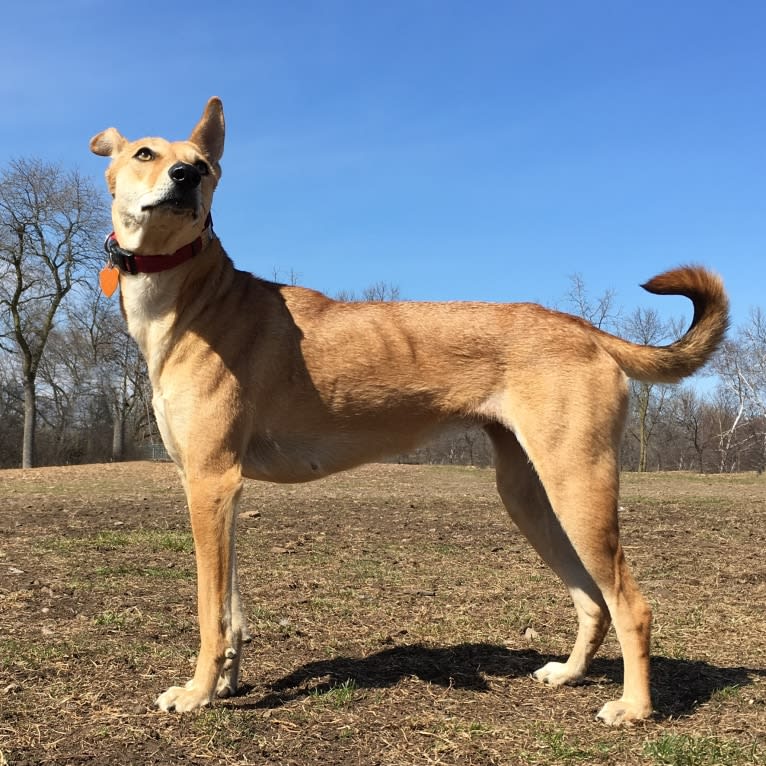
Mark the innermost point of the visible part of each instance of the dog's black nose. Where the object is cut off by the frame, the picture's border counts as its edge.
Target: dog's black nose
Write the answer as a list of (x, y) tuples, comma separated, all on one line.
[(185, 175)]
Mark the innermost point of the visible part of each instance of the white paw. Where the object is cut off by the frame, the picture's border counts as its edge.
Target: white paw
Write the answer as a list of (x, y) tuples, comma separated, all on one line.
[(228, 681), (182, 699), (556, 674), (226, 687), (623, 713)]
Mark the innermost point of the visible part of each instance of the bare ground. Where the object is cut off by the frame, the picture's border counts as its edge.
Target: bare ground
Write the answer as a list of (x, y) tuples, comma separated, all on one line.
[(396, 617)]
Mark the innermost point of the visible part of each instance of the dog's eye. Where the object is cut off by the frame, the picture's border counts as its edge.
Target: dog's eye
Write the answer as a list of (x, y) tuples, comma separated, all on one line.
[(144, 154), (202, 167)]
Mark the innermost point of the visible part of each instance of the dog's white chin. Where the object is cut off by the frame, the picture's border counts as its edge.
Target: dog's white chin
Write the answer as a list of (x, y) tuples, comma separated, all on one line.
[(157, 230)]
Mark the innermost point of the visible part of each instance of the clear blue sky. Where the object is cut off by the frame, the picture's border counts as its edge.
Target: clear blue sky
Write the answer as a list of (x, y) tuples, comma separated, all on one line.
[(458, 150)]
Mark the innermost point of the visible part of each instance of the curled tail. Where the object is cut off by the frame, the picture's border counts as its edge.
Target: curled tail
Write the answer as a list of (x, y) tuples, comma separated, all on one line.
[(669, 364)]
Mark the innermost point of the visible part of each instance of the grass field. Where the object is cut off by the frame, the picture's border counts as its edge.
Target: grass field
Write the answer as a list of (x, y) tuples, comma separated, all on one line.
[(396, 616)]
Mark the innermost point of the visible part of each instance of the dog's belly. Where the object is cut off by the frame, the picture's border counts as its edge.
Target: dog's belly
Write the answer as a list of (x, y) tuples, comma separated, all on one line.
[(288, 458)]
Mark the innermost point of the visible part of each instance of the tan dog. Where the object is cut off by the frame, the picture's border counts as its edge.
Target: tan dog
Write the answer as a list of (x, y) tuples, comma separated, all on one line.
[(259, 380)]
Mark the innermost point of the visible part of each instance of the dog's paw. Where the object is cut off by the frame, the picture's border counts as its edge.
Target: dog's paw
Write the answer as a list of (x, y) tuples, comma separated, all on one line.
[(556, 674), (182, 699), (226, 687), (623, 712), (228, 681)]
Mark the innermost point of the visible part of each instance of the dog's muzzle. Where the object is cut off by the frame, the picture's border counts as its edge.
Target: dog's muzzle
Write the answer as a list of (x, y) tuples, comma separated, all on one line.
[(183, 195)]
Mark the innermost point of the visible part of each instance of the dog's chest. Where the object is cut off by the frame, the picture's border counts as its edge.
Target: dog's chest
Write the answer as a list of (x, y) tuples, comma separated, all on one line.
[(150, 317), (161, 414)]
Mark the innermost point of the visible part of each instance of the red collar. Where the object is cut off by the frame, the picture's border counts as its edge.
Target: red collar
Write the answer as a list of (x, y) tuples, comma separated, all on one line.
[(132, 263)]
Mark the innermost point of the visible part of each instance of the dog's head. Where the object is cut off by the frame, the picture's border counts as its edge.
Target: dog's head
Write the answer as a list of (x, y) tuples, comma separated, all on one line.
[(162, 190)]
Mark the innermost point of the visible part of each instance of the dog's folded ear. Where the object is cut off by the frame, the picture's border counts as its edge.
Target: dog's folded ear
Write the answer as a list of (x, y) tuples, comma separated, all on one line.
[(209, 132), (108, 143)]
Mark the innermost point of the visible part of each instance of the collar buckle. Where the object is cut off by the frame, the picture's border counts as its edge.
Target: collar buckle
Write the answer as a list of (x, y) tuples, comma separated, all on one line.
[(124, 260)]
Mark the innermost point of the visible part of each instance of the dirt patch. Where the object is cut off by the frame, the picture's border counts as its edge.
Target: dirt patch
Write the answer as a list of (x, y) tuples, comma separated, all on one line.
[(396, 616)]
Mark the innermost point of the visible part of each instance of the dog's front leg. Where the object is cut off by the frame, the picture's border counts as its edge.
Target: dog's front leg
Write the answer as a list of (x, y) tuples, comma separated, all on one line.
[(212, 504)]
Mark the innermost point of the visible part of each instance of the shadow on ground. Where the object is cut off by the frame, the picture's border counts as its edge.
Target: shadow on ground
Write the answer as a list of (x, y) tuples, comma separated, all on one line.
[(678, 686)]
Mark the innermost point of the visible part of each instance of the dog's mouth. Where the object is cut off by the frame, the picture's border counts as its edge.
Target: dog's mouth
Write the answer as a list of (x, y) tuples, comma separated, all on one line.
[(180, 205)]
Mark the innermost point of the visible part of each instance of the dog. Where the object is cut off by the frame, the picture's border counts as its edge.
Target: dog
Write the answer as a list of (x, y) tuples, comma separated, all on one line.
[(253, 379)]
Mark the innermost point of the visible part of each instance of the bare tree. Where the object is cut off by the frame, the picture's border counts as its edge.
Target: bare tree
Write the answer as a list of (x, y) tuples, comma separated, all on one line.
[(93, 375), (753, 338), (11, 410), (688, 414), (292, 277), (50, 225), (123, 379), (600, 311), (731, 398), (379, 291), (648, 399), (741, 366)]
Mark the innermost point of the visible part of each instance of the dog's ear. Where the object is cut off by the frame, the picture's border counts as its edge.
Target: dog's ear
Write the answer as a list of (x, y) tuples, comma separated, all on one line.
[(209, 132), (108, 143)]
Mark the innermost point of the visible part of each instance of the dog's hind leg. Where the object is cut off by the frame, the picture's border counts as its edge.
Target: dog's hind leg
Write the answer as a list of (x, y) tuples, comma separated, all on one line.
[(212, 507), (573, 447), (528, 506)]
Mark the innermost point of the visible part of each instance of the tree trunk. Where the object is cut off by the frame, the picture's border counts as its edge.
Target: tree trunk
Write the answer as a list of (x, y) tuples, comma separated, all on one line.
[(30, 423), (643, 436), (118, 435)]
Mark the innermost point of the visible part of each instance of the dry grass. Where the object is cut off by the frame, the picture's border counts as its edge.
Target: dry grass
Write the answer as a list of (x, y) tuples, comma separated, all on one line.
[(390, 610)]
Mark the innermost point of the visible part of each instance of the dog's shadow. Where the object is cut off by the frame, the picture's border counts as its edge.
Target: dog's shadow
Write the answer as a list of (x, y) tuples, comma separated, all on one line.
[(678, 686)]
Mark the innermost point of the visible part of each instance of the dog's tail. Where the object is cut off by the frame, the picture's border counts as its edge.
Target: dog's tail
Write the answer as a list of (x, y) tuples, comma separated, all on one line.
[(669, 364)]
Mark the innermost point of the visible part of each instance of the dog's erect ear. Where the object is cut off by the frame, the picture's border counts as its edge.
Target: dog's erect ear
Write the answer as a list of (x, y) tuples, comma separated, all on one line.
[(108, 143), (209, 132)]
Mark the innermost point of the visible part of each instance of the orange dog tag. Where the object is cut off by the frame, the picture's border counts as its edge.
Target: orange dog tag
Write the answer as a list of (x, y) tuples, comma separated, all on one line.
[(109, 278)]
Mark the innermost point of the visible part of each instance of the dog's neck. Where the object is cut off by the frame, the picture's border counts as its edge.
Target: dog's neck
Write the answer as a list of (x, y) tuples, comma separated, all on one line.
[(152, 300), (133, 263)]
